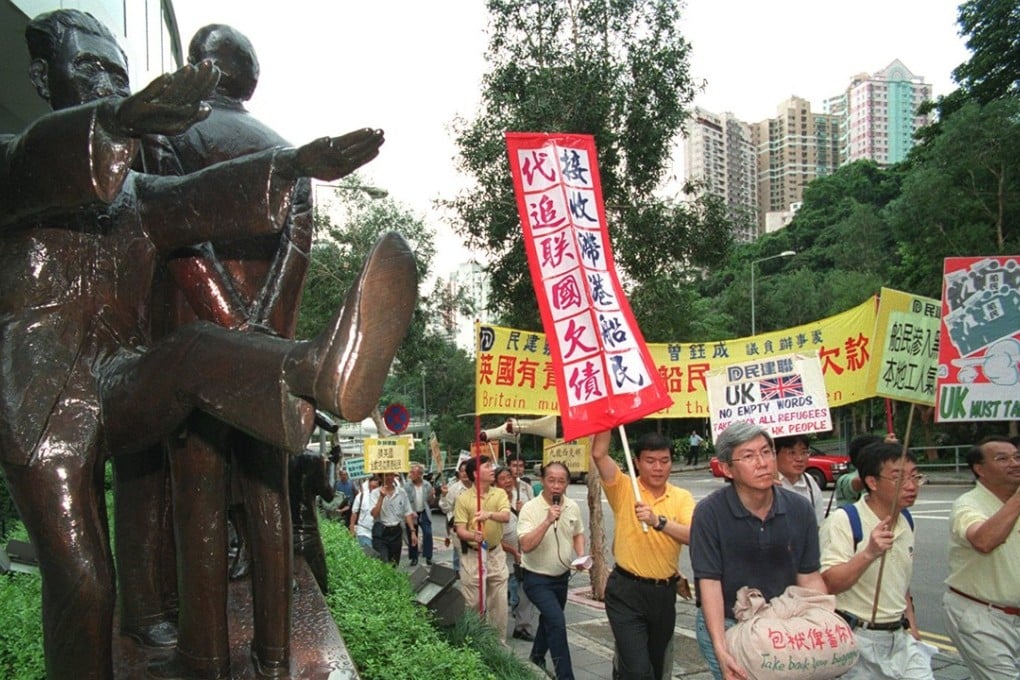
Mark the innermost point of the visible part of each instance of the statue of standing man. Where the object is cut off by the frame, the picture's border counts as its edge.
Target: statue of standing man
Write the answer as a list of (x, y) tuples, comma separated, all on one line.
[(80, 237)]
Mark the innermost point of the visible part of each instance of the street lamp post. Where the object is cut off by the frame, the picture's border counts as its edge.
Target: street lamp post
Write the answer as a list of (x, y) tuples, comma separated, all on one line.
[(424, 410), (785, 253)]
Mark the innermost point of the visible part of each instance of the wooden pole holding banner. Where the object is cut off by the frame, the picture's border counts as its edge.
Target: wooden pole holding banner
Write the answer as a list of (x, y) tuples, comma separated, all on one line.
[(479, 525), (888, 417), (630, 469), (893, 511)]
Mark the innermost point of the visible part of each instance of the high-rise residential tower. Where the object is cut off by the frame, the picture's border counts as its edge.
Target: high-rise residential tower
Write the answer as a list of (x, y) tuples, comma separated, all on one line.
[(793, 148), (719, 153), (878, 114)]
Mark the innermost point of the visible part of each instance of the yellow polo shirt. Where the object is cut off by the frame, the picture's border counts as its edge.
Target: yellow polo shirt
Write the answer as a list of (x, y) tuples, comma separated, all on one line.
[(991, 577), (652, 555), (495, 500)]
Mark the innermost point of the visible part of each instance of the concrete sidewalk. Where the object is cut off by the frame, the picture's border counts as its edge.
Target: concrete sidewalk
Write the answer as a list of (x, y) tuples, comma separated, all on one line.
[(591, 641)]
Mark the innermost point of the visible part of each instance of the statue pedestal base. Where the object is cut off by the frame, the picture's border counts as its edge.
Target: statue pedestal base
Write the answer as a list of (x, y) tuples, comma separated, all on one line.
[(317, 651)]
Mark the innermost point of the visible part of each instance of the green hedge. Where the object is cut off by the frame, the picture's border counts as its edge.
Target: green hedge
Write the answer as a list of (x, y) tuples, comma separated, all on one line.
[(389, 636), (21, 649)]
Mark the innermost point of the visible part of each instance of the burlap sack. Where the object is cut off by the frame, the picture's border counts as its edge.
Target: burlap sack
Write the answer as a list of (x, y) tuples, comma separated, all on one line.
[(797, 635)]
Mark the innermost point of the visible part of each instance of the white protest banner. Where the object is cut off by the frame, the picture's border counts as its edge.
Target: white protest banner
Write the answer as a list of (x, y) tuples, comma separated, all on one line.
[(784, 394), (979, 348)]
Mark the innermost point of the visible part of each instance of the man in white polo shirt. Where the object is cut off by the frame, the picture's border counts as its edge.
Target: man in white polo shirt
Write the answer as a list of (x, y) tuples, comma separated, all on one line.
[(983, 602), (853, 541)]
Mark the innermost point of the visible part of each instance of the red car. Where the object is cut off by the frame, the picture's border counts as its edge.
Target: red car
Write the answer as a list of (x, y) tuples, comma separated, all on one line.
[(823, 467)]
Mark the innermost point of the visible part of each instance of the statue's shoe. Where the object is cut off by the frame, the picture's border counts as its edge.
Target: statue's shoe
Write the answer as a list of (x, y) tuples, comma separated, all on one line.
[(270, 670), (160, 635), (347, 364)]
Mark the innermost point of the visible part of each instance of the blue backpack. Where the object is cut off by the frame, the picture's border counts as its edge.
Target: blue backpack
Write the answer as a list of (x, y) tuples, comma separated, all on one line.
[(855, 521)]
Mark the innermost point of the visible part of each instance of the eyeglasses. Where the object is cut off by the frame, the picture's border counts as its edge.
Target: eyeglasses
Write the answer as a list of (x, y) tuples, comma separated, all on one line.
[(1015, 458), (762, 456), (918, 480)]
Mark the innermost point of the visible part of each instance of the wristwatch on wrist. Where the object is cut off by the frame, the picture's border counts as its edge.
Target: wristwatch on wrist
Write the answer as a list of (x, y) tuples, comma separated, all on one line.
[(662, 523)]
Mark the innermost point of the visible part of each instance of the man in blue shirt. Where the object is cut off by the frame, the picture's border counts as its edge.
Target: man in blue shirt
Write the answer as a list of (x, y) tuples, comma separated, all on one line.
[(750, 533)]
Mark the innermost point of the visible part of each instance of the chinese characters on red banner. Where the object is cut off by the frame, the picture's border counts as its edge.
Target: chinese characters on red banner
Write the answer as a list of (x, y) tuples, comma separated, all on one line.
[(604, 374)]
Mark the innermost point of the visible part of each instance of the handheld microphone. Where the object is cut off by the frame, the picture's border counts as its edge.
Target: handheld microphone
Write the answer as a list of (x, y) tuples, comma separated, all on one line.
[(556, 499)]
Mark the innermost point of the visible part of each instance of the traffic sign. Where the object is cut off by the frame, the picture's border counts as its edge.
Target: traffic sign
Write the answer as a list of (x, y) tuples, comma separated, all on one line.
[(397, 418)]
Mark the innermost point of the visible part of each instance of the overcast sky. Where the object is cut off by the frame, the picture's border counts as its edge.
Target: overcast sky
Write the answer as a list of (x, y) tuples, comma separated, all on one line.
[(411, 67)]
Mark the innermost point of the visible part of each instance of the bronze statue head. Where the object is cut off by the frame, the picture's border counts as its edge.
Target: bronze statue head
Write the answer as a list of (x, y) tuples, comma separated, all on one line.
[(232, 53), (75, 59)]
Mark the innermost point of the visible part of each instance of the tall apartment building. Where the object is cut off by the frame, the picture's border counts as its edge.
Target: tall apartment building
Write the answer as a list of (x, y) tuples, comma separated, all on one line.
[(793, 148), (878, 114), (720, 154)]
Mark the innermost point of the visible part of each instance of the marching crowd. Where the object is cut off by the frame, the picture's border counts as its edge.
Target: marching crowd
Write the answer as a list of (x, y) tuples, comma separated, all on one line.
[(769, 529)]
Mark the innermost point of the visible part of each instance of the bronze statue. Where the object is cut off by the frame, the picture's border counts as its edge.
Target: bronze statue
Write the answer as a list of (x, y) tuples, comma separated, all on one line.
[(309, 478), (80, 236), (254, 284)]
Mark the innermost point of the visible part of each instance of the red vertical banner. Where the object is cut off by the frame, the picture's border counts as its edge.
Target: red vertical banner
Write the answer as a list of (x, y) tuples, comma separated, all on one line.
[(605, 376)]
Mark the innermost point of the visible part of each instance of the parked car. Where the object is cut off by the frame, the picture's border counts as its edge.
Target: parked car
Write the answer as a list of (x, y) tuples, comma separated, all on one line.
[(824, 468)]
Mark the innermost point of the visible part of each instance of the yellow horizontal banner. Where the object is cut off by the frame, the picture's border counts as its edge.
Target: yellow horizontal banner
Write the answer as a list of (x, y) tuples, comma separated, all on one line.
[(514, 373)]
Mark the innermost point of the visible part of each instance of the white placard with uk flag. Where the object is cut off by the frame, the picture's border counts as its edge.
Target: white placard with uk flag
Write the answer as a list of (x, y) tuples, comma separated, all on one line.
[(785, 394)]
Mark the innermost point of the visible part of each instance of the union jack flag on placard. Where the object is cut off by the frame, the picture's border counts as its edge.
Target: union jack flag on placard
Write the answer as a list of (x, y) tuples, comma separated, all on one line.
[(782, 387)]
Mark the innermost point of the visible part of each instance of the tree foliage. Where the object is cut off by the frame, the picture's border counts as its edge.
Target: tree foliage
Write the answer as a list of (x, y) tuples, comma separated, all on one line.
[(616, 70), (992, 28), (961, 196), (340, 249), (337, 256)]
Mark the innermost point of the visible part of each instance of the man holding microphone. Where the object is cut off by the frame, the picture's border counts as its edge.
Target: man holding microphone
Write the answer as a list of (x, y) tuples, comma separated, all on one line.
[(552, 535)]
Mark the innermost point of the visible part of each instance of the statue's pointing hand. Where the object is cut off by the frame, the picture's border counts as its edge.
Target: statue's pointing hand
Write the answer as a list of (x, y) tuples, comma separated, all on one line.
[(331, 158), (168, 105)]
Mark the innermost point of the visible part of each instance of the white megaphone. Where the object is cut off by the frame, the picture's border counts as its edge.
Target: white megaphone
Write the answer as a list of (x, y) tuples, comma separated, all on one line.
[(540, 427), (547, 427), (496, 433)]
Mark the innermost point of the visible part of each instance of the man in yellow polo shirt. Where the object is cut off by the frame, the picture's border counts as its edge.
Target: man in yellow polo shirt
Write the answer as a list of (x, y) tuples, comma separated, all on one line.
[(983, 601), (474, 525), (641, 591)]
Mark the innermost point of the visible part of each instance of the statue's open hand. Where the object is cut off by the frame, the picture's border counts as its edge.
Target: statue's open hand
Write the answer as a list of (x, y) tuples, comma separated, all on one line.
[(331, 158), (169, 105)]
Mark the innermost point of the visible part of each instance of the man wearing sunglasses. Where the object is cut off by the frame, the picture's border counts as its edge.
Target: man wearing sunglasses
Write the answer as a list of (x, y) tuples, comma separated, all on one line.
[(853, 542), (983, 602)]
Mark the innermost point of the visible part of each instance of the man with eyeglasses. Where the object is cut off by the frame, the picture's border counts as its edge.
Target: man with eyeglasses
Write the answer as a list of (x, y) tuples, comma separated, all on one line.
[(791, 460), (983, 602), (853, 543), (750, 533)]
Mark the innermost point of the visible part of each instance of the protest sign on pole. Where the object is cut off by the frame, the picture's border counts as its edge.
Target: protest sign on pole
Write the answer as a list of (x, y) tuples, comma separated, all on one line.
[(384, 455), (785, 395), (905, 347), (604, 373), (574, 453), (979, 348)]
